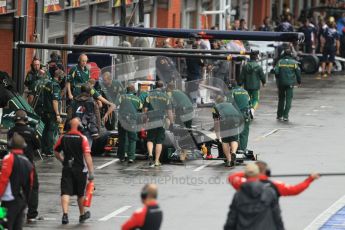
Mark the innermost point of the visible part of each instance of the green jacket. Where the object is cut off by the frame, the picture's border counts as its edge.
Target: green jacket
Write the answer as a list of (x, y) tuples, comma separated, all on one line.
[(112, 92), (158, 100), (251, 75), (52, 92), (32, 79), (129, 103), (241, 98), (228, 115), (180, 101), (287, 72), (78, 76)]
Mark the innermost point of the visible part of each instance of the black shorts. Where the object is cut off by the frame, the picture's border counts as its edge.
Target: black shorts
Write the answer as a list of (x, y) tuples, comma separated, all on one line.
[(230, 139), (328, 54), (73, 182), (156, 135)]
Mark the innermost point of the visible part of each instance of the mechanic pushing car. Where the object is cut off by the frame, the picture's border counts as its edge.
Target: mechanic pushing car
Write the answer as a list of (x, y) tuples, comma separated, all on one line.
[(157, 104), (227, 127), (130, 106), (242, 100)]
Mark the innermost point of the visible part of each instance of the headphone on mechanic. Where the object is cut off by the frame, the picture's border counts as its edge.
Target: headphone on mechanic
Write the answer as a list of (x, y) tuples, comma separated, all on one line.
[(21, 116)]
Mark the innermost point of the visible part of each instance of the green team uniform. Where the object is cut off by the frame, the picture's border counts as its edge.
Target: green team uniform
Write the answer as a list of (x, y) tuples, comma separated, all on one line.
[(113, 91), (242, 99), (183, 108), (130, 105), (230, 119), (287, 73), (38, 92), (51, 92), (76, 77), (30, 80), (251, 76), (157, 102)]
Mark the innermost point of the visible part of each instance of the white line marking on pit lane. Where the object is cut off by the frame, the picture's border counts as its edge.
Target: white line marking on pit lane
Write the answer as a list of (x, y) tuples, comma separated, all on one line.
[(267, 134), (121, 216), (202, 167), (270, 133), (107, 164), (115, 213), (325, 215)]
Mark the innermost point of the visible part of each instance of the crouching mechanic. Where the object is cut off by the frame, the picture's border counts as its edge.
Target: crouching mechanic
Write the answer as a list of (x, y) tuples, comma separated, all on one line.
[(242, 100), (238, 178), (16, 181), (150, 216), (226, 118), (76, 151)]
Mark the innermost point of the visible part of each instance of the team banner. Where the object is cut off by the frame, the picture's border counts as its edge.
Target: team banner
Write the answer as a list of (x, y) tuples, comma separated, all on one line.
[(3, 7), (117, 3), (53, 5)]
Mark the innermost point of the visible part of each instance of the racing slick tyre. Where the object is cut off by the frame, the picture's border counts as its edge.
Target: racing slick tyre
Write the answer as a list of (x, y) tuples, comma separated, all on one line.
[(310, 64)]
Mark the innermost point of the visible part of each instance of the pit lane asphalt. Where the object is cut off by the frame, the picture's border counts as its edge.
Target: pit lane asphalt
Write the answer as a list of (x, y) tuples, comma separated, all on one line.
[(197, 196)]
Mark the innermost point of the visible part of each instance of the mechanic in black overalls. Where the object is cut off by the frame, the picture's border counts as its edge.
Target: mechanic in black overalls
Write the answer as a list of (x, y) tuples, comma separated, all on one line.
[(33, 144), (148, 217)]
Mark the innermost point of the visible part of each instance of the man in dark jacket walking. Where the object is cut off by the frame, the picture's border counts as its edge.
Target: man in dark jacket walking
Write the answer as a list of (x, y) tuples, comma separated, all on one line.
[(251, 76), (255, 205)]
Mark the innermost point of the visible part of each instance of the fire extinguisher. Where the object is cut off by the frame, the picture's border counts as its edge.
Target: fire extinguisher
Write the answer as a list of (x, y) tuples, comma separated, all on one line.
[(143, 134), (90, 188)]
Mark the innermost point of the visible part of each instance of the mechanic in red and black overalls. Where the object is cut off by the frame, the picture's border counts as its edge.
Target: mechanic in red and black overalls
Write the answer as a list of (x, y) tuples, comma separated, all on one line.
[(148, 217), (77, 164), (16, 180), (282, 189)]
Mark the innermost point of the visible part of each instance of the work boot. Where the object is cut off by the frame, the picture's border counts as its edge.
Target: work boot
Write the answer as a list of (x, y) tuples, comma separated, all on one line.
[(151, 163), (84, 217), (229, 164), (65, 219), (158, 164)]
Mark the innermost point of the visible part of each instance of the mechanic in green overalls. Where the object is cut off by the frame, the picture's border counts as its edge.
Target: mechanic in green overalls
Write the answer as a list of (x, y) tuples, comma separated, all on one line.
[(110, 89), (33, 77), (51, 113), (130, 107), (287, 72), (251, 76), (227, 122), (77, 76), (157, 106), (182, 106), (242, 99)]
